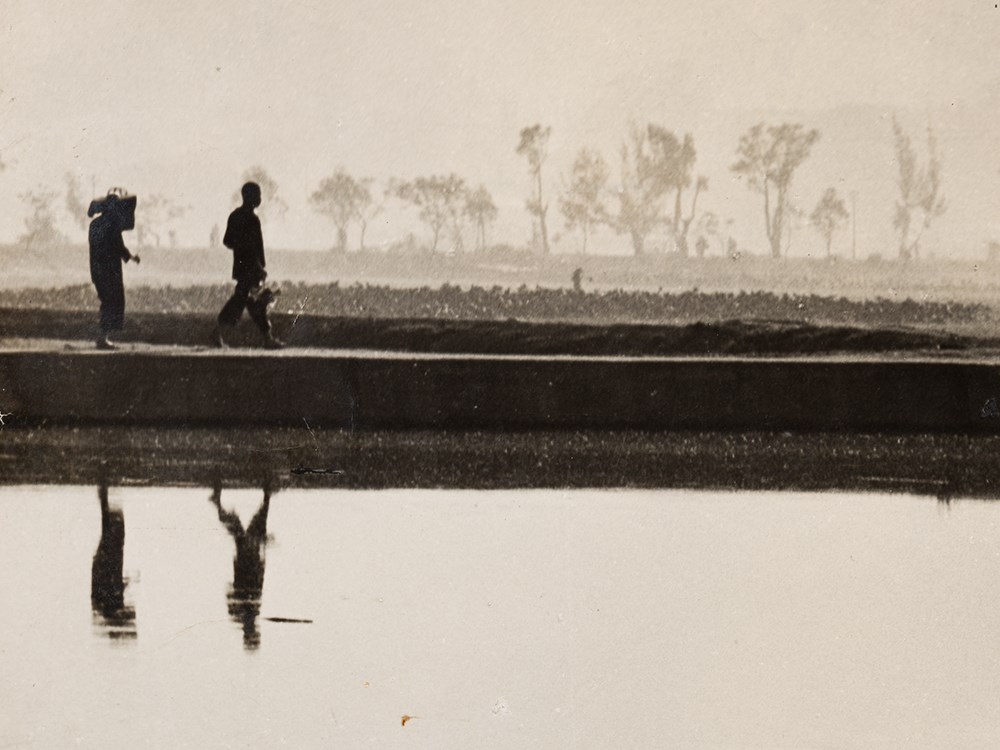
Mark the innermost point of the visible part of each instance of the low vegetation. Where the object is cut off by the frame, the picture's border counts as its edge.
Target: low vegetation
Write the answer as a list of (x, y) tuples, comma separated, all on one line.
[(452, 302)]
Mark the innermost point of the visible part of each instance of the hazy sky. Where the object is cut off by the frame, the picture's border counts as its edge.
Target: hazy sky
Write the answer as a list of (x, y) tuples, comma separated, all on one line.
[(181, 97)]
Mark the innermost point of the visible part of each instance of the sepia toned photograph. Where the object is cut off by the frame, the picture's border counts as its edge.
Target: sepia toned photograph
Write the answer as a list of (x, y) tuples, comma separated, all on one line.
[(500, 374)]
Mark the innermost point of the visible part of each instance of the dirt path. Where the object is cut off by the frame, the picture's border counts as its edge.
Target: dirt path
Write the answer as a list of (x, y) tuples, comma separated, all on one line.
[(193, 330)]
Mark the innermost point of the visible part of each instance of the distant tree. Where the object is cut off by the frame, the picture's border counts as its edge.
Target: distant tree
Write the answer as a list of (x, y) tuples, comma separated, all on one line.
[(215, 236), (76, 206), (768, 157), (439, 199), (730, 240), (795, 218), (534, 147), (481, 209), (708, 228), (271, 203), (40, 223), (829, 215), (457, 219), (370, 206), (342, 199), (681, 233), (919, 190), (671, 161), (582, 202), (640, 196), (155, 216)]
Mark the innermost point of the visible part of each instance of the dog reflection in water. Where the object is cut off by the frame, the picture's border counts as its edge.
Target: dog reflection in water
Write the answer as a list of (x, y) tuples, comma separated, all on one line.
[(248, 565), (107, 583)]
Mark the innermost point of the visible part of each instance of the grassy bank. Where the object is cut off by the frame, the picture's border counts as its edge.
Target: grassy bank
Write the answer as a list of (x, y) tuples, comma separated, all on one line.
[(933, 279), (539, 320), (449, 302), (465, 336)]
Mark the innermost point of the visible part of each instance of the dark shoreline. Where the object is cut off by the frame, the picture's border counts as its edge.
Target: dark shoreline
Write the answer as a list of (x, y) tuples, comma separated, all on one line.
[(950, 455), (946, 466)]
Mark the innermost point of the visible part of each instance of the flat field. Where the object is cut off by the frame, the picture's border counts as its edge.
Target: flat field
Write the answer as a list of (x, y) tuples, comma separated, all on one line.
[(527, 320), (932, 279)]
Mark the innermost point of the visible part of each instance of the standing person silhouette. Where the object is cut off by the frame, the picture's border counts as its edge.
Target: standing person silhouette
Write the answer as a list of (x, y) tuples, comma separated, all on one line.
[(116, 214), (244, 238)]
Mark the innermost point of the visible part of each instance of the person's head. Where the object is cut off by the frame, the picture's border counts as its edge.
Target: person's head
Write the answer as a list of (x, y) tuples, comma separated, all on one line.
[(251, 194)]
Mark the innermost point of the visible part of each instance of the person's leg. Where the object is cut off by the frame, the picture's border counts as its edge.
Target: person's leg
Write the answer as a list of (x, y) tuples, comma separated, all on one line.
[(111, 292), (102, 336), (233, 309), (231, 312), (257, 308)]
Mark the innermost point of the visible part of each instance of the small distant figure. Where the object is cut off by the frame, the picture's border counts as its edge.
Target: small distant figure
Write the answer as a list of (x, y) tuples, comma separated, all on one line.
[(244, 238), (732, 251), (578, 280), (248, 564), (115, 214), (700, 246)]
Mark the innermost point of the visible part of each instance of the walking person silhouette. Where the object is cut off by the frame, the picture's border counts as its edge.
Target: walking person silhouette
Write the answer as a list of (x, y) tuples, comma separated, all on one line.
[(248, 564), (116, 214), (244, 238)]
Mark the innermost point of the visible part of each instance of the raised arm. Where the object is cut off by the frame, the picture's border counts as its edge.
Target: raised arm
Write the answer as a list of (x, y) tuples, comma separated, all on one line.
[(229, 519), (258, 526)]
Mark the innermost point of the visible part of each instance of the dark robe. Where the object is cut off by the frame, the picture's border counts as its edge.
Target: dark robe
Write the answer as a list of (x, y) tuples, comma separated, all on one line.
[(107, 582), (107, 253)]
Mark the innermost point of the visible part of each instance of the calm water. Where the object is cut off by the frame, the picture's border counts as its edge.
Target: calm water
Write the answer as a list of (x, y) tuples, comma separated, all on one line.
[(507, 619)]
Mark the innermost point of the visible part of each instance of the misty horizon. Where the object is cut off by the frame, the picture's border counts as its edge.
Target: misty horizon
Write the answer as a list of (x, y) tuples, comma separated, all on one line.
[(401, 94)]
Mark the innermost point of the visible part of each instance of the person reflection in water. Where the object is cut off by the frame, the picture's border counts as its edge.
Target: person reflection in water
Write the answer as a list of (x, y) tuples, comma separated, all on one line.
[(248, 565), (107, 584)]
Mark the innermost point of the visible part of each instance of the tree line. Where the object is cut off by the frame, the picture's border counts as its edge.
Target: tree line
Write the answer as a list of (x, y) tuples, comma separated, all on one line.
[(658, 189)]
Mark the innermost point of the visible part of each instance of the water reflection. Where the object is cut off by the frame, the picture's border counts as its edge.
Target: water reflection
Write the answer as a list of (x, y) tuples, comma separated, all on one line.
[(248, 564), (112, 615), (814, 619)]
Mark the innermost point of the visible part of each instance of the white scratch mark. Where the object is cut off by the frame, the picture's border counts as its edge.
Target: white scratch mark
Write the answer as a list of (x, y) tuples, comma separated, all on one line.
[(311, 433), (302, 306)]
